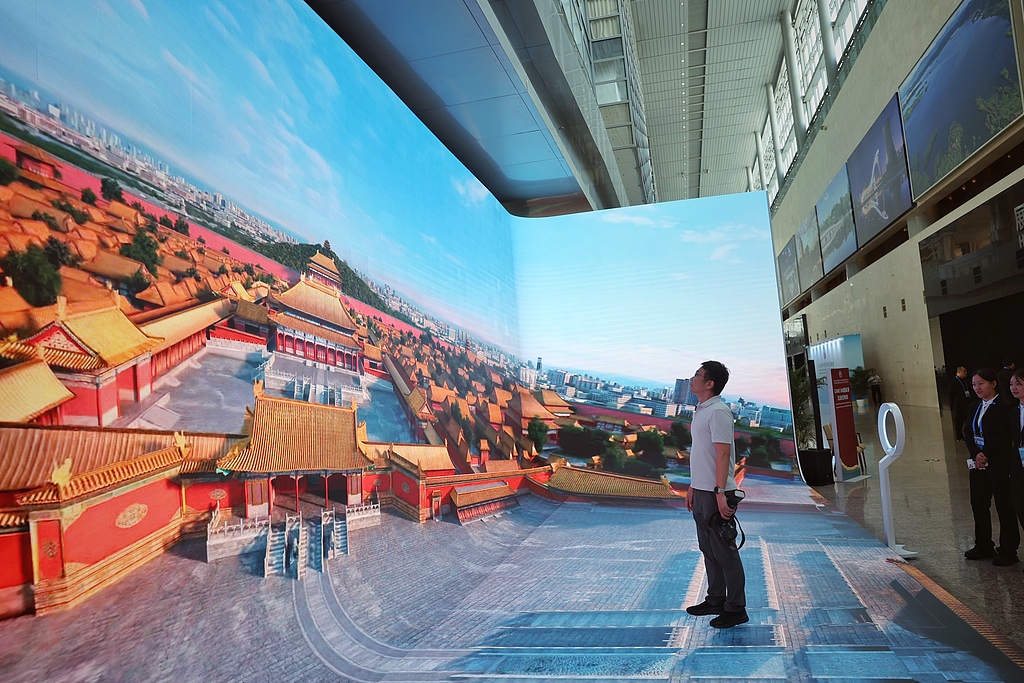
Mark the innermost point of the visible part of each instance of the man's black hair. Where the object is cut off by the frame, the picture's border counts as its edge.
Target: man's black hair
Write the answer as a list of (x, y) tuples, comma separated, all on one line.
[(717, 373)]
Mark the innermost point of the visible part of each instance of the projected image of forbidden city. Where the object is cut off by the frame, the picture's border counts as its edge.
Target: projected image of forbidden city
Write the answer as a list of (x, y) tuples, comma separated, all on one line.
[(878, 175), (835, 222), (789, 275), (225, 316), (963, 92)]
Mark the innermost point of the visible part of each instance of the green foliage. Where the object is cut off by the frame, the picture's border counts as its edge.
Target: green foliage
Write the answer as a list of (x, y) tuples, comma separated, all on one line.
[(681, 433), (77, 215), (201, 250), (88, 196), (583, 442), (181, 225), (801, 393), (296, 256), (60, 254), (35, 278), (111, 190), (1003, 107), (859, 382), (167, 222), (225, 250), (8, 172), (200, 240), (650, 448), (49, 219), (537, 432), (143, 249), (742, 445), (182, 254), (193, 273), (223, 270), (137, 282)]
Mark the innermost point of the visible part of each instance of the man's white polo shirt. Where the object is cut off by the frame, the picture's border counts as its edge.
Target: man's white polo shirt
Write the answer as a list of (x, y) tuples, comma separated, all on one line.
[(713, 423)]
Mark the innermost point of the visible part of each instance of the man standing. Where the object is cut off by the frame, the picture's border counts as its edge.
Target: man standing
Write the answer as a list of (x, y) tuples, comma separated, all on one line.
[(875, 382), (712, 497), (960, 396)]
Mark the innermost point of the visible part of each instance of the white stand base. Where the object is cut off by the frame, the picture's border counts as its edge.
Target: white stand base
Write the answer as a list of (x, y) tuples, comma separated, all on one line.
[(903, 552)]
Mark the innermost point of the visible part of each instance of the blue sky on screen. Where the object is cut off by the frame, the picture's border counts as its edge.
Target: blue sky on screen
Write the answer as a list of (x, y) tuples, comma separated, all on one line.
[(652, 291), (261, 101)]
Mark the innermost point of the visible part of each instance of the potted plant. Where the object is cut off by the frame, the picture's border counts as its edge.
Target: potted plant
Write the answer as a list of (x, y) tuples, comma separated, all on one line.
[(859, 384), (814, 462)]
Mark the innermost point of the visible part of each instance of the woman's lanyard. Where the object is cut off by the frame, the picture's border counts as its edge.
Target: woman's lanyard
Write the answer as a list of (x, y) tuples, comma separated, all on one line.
[(976, 423)]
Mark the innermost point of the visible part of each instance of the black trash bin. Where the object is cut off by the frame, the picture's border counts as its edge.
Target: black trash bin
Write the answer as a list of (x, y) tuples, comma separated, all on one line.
[(816, 466)]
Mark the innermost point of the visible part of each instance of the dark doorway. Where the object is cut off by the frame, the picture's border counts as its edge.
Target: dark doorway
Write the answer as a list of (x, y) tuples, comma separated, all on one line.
[(982, 335)]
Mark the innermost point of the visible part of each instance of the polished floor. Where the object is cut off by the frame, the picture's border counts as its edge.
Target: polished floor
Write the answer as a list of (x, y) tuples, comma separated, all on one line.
[(932, 515)]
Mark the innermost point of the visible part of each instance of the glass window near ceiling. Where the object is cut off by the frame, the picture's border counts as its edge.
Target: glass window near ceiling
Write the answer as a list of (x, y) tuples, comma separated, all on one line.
[(604, 28), (614, 70), (602, 8), (608, 93), (606, 49)]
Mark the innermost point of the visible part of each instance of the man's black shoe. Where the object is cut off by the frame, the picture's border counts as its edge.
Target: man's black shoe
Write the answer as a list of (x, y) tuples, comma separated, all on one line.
[(1006, 560), (705, 608), (977, 553), (730, 619)]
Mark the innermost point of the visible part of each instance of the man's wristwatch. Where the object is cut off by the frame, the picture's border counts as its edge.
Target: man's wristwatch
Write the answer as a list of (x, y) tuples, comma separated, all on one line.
[(719, 490)]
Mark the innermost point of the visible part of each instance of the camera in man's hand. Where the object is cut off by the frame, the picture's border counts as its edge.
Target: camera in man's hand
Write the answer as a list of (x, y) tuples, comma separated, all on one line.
[(727, 527)]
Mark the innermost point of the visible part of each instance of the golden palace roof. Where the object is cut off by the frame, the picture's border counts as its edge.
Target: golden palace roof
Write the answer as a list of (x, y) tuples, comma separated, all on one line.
[(113, 266), (325, 262), (501, 466), (371, 352), (568, 479), (106, 334), (79, 485), (319, 301), (527, 406), (246, 310), (28, 390), (475, 495), (552, 401), (300, 325), (32, 452), (57, 358), (297, 436), (182, 324), (422, 458), (502, 397)]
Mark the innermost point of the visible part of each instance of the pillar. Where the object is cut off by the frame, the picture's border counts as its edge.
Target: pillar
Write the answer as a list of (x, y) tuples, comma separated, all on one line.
[(828, 44), (750, 180), (773, 122), (760, 161), (793, 71)]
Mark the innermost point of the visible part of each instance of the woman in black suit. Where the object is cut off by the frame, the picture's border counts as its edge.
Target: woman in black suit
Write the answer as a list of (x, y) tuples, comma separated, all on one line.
[(988, 435)]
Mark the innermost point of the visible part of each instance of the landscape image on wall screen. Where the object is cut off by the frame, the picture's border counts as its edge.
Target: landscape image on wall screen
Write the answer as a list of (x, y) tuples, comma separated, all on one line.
[(808, 250), (879, 182), (835, 222), (965, 90), (788, 274)]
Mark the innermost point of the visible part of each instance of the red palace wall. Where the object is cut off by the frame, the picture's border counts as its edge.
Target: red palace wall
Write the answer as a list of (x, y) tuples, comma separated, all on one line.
[(16, 567), (406, 488), (222, 331), (126, 385), (51, 560), (172, 355), (15, 574), (380, 482), (203, 496), (114, 524)]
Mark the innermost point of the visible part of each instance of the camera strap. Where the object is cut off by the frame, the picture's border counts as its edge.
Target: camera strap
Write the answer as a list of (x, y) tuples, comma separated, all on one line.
[(743, 536)]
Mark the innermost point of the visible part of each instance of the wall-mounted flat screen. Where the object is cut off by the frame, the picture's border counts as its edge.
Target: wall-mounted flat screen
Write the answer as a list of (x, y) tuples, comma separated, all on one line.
[(835, 222), (808, 251), (965, 90), (879, 182), (788, 276)]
